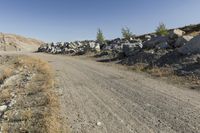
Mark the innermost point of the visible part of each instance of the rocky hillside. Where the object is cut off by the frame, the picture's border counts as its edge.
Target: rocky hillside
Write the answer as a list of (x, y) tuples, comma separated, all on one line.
[(11, 42)]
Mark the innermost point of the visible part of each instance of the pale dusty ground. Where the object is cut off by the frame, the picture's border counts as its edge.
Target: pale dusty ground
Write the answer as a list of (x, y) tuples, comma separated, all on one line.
[(121, 101)]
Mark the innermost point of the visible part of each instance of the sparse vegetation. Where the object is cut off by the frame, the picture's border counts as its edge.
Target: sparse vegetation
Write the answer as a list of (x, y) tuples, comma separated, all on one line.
[(192, 81), (160, 71), (35, 104), (7, 72), (161, 30), (126, 33), (100, 37)]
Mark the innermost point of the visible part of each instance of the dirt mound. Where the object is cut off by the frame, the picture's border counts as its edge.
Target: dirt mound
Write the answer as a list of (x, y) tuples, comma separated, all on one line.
[(11, 42)]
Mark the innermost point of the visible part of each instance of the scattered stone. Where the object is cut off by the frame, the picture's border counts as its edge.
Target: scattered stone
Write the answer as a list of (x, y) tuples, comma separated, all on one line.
[(12, 103), (99, 123), (3, 108), (147, 37)]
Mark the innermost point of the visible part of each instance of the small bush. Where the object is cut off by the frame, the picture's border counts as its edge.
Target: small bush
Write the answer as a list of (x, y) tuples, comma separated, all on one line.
[(162, 30), (100, 37), (126, 33)]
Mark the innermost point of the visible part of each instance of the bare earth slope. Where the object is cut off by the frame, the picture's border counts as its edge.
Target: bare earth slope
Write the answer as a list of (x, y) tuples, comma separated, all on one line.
[(11, 42), (104, 99)]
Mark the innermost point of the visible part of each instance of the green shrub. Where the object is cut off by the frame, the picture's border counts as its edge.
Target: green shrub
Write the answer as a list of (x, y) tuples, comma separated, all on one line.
[(162, 30), (100, 37), (126, 33)]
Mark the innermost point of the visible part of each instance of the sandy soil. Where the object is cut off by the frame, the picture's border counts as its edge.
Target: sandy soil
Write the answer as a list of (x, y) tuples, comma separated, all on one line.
[(96, 98)]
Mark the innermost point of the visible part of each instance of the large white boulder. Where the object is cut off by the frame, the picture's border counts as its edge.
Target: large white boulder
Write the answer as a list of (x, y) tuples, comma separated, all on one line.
[(192, 47), (92, 44), (97, 47), (176, 33)]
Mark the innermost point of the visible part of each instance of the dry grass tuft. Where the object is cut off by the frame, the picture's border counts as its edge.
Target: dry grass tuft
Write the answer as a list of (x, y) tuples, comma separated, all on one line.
[(160, 71), (7, 72), (195, 33), (52, 120), (139, 67), (191, 81), (194, 79), (5, 94)]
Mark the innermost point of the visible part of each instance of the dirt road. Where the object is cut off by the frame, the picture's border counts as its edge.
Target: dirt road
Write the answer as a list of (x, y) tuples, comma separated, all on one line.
[(104, 99), (97, 98)]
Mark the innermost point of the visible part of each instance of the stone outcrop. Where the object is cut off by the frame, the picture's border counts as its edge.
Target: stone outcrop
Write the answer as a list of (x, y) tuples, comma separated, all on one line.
[(155, 41), (191, 47), (182, 41)]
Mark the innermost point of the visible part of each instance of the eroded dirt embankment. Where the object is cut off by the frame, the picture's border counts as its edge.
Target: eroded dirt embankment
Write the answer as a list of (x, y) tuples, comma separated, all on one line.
[(28, 102)]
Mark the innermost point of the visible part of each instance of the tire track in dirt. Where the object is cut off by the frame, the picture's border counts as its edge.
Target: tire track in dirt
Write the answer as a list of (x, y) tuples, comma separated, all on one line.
[(122, 101)]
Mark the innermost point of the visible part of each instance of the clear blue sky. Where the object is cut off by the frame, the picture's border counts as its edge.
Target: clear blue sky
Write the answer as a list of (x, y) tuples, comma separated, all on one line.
[(69, 20)]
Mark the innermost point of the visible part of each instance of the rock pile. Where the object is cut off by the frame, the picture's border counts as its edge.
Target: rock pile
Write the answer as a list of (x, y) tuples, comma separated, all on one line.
[(76, 48), (179, 49), (191, 47), (174, 40)]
